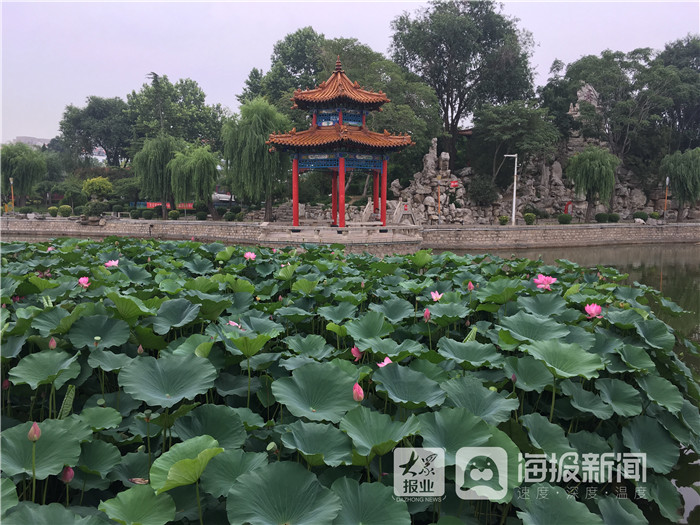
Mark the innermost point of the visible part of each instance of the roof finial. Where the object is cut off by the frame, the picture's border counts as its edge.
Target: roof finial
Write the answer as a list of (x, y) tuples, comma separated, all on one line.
[(338, 66)]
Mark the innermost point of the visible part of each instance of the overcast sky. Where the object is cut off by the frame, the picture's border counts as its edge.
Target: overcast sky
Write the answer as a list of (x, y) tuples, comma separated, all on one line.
[(56, 53)]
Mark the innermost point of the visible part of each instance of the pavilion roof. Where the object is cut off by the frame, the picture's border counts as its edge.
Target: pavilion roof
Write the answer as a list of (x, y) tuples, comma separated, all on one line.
[(339, 135), (338, 88)]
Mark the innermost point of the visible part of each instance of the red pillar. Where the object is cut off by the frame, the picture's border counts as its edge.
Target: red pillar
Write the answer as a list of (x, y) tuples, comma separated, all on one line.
[(375, 192), (334, 197), (341, 192), (295, 191), (384, 174)]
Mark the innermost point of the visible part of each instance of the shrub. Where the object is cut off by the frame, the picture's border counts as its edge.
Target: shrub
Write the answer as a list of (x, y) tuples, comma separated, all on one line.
[(482, 191), (640, 215), (78, 210), (531, 208), (53, 211), (201, 215), (602, 217), (65, 210), (157, 211), (26, 209), (201, 206), (221, 210), (236, 208), (564, 218), (503, 219), (148, 214), (117, 208), (613, 217), (173, 215), (529, 218), (653, 215), (135, 214), (229, 216), (94, 208)]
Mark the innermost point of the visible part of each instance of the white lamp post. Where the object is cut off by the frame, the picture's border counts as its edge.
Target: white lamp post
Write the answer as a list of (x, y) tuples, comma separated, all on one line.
[(515, 183)]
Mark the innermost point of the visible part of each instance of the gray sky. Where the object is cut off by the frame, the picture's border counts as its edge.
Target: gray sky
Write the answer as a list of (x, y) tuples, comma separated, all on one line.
[(57, 53)]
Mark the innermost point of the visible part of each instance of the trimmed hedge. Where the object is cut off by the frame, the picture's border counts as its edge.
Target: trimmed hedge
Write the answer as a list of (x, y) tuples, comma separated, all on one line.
[(564, 218)]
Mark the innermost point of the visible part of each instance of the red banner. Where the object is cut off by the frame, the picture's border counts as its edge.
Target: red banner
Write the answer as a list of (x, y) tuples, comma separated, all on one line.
[(454, 183), (180, 205)]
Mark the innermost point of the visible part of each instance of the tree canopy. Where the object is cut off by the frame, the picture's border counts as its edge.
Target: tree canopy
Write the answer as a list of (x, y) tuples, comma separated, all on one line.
[(25, 165), (683, 171), (193, 175), (151, 166), (593, 173)]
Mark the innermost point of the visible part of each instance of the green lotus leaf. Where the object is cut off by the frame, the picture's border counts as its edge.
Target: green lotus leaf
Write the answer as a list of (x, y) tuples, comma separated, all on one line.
[(107, 360), (586, 401), (183, 464), (171, 286), (672, 423), (47, 321), (623, 398), (656, 334), (372, 324), (498, 291), (219, 421), (287, 272), (293, 313), (311, 345), (557, 507), (168, 380), (261, 325), (135, 273), (12, 347), (210, 306), (189, 345), (46, 367), (51, 514), (223, 469), (108, 331), (588, 442), (282, 492), (421, 259), (199, 265), (666, 496), (472, 352), (8, 496), (662, 392), (99, 418), (397, 352), (140, 505), (304, 286), (636, 358), (527, 327), (174, 313), (564, 359), (59, 445), (530, 374), (338, 314), (691, 416), (644, 434), (250, 344), (316, 391), (99, 457), (544, 305), (546, 436), (446, 313), (132, 465), (368, 504), (319, 443), (407, 387), (452, 429), (376, 433), (395, 310), (250, 419), (129, 308), (468, 392), (624, 319)]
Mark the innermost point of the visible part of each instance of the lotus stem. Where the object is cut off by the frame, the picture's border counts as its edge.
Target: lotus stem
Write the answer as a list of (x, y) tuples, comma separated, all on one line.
[(46, 486), (554, 395), (33, 471), (248, 399), (199, 503), (67, 496)]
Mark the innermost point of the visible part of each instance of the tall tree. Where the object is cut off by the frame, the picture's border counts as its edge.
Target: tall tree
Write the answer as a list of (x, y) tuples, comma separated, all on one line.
[(151, 166), (25, 165), (593, 173), (683, 171), (193, 175), (468, 53), (253, 170)]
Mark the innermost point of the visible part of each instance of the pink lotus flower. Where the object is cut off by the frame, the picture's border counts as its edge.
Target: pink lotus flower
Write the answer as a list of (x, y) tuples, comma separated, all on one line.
[(386, 361), (544, 281), (513, 378), (192, 238), (139, 350), (357, 393), (426, 315), (84, 282), (470, 286), (436, 296), (34, 433), (67, 475), (274, 250), (50, 249), (356, 352), (52, 344), (593, 310), (109, 264), (249, 256), (6, 384)]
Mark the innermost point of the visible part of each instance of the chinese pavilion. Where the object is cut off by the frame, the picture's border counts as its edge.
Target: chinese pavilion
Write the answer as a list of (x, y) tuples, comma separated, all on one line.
[(338, 140)]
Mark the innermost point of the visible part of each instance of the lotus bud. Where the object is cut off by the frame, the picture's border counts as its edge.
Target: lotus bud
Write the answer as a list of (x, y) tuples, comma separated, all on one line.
[(6, 384), (139, 350), (357, 393), (426, 315), (34, 433), (513, 378), (470, 286), (52, 344), (67, 475), (356, 353)]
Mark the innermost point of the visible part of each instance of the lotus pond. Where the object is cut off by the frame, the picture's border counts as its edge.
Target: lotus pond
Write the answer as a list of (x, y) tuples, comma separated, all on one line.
[(178, 382)]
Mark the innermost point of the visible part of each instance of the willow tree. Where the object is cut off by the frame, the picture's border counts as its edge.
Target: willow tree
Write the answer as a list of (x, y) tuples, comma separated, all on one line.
[(25, 165), (683, 171), (193, 174), (593, 173), (151, 167), (254, 172)]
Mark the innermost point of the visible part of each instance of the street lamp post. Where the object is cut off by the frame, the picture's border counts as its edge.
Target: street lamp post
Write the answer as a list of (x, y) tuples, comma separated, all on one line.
[(12, 191), (515, 184)]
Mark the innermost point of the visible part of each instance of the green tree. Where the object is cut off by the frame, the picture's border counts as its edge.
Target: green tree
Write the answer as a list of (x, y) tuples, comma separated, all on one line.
[(98, 188), (253, 170), (151, 166), (127, 189), (72, 190), (25, 165), (683, 171), (253, 86), (593, 173), (193, 175), (468, 53)]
